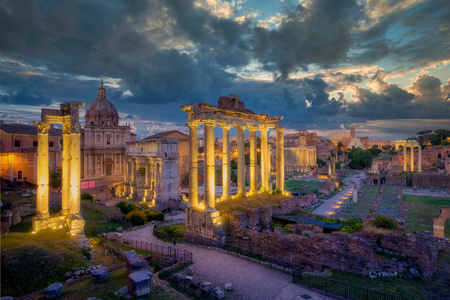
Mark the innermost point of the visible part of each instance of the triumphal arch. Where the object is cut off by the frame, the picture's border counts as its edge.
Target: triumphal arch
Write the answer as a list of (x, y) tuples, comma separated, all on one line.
[(203, 218), (70, 216)]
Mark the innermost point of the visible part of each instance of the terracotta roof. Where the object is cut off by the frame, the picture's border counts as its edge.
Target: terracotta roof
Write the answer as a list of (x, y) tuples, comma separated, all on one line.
[(162, 134), (26, 129)]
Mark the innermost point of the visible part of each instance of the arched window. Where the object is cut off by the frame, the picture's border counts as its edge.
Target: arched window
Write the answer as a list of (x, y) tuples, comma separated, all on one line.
[(19, 175), (108, 141)]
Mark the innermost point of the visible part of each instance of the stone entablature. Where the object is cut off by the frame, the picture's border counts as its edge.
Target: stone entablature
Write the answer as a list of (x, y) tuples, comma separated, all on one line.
[(151, 170), (230, 112)]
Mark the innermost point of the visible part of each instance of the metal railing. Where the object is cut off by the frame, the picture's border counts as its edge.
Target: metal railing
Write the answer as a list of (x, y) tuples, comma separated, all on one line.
[(339, 288)]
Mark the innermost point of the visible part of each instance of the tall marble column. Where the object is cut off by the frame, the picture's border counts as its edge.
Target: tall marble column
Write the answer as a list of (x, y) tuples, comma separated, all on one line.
[(147, 181), (42, 176), (65, 176), (133, 186), (75, 167), (404, 158), (226, 162), (193, 164), (280, 158), (412, 158), (253, 160), (264, 162), (241, 160), (210, 170), (420, 159)]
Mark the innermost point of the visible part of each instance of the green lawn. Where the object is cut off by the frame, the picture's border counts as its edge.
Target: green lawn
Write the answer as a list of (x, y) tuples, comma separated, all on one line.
[(30, 262), (96, 218), (176, 230), (303, 185), (422, 209)]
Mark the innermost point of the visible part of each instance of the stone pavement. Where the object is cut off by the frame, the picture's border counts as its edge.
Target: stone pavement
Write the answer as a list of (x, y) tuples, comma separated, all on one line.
[(250, 280), (425, 192), (330, 206)]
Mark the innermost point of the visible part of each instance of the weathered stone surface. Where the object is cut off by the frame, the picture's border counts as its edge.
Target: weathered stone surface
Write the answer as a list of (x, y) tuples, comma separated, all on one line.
[(69, 274), (228, 286), (219, 293), (53, 290), (191, 270), (188, 278), (205, 285), (99, 273), (139, 283), (133, 261)]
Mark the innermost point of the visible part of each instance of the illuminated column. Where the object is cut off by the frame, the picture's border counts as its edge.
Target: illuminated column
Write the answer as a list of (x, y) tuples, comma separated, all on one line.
[(65, 180), (329, 168), (147, 181), (226, 162), (315, 157), (334, 165), (264, 162), (404, 158), (412, 158), (209, 186), (42, 176), (252, 160), (193, 164), (241, 160), (75, 167), (420, 159), (280, 158), (153, 181), (158, 181), (126, 175), (133, 178)]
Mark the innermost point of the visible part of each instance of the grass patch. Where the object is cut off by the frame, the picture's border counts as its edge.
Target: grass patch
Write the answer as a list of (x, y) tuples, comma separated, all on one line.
[(96, 218), (128, 248), (422, 209), (30, 262), (303, 185), (116, 280), (243, 203), (176, 230), (24, 227)]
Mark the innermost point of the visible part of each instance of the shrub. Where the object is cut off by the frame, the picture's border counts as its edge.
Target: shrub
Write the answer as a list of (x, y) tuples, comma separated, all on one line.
[(276, 191), (86, 196), (154, 215), (126, 208), (386, 222), (352, 225), (136, 217)]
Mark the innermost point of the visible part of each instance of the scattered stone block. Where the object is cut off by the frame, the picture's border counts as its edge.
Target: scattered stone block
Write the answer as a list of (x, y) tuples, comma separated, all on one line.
[(228, 286), (205, 285), (26, 195), (119, 229), (133, 261), (139, 283), (179, 277), (53, 290), (99, 273), (69, 274), (219, 293), (188, 278), (191, 270)]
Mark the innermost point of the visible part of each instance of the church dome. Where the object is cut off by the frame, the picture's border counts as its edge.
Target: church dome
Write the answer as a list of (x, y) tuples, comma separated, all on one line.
[(101, 112), (102, 102)]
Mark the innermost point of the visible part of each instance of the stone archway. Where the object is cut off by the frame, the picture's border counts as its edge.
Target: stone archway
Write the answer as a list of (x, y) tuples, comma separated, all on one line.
[(439, 221)]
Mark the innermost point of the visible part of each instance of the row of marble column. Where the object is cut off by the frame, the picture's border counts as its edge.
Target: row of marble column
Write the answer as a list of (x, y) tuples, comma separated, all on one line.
[(209, 174), (152, 178), (91, 162), (71, 172), (405, 162), (307, 157)]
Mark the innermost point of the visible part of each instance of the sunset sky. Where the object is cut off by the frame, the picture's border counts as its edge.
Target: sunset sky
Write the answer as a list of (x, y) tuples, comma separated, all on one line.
[(323, 65)]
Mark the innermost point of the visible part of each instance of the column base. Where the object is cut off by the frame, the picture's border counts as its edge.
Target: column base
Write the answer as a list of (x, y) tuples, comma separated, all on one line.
[(133, 191), (75, 225), (49, 223), (204, 223)]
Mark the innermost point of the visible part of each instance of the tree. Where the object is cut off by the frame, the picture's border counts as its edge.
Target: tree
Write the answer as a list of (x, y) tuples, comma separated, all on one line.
[(55, 179), (442, 133), (339, 145), (423, 132), (320, 162), (233, 164), (361, 159), (386, 147), (374, 151)]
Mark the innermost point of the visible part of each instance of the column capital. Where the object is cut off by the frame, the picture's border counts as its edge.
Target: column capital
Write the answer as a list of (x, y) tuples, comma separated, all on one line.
[(67, 128), (243, 127), (225, 126), (76, 128), (279, 129), (252, 129), (264, 129), (42, 127), (209, 122), (194, 124)]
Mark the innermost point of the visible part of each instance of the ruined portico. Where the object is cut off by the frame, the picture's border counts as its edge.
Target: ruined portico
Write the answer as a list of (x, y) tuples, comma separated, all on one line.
[(412, 144), (230, 112), (301, 158), (70, 216)]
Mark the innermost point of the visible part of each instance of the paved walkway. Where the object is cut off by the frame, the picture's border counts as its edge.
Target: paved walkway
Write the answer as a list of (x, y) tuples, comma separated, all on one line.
[(250, 280), (425, 192), (330, 206)]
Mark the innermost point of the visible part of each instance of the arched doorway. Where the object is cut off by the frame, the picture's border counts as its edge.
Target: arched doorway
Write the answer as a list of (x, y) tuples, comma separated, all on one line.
[(439, 221), (109, 167), (19, 175)]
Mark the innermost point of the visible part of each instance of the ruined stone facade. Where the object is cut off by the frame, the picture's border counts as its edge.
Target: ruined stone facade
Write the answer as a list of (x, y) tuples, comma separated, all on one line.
[(151, 170)]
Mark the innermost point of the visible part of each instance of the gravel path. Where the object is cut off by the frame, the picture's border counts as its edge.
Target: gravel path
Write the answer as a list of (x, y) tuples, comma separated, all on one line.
[(250, 280)]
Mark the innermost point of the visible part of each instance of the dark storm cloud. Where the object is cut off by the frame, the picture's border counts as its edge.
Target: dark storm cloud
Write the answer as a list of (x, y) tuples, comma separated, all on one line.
[(426, 100), (319, 33), (26, 97)]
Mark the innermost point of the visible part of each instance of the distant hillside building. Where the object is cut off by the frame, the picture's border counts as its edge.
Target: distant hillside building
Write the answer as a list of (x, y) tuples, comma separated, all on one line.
[(103, 140), (19, 151)]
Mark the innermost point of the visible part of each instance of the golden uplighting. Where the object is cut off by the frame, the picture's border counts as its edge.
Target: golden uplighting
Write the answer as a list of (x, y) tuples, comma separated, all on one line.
[(33, 232), (201, 206)]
